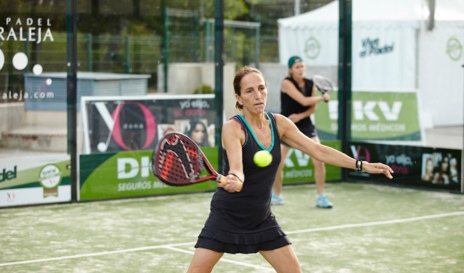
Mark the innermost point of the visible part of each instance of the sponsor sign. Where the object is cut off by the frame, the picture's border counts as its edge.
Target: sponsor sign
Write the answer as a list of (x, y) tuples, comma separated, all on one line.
[(137, 123), (383, 116), (413, 165), (120, 134), (35, 180), (299, 167), (128, 174)]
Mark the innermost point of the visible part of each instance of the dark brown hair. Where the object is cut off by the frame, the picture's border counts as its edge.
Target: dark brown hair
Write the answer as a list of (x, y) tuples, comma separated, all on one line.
[(238, 78)]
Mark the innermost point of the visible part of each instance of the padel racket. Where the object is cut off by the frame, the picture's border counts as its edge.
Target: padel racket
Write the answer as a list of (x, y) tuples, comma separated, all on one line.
[(323, 84), (178, 161)]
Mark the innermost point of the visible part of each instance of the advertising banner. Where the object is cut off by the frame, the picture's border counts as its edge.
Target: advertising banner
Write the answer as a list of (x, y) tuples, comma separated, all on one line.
[(299, 167), (379, 116), (120, 134), (113, 124), (419, 166), (128, 174), (35, 180)]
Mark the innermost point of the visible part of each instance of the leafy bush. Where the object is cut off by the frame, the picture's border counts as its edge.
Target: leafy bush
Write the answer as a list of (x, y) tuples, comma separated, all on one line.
[(204, 89)]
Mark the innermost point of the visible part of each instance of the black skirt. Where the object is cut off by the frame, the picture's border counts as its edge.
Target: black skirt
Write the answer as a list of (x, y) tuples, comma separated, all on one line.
[(230, 248), (267, 236)]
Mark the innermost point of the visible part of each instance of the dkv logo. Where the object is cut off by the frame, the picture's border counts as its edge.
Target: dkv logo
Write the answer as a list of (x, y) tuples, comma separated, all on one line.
[(302, 159), (369, 110), (129, 167)]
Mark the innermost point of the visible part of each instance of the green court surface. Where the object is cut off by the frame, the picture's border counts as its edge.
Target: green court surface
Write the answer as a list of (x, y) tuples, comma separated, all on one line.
[(372, 228)]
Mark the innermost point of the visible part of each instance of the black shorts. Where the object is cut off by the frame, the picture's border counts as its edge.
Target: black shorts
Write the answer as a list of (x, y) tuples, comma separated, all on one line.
[(309, 131)]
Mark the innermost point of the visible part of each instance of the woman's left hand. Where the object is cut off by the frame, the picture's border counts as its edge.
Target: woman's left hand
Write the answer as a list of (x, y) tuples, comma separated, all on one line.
[(377, 168)]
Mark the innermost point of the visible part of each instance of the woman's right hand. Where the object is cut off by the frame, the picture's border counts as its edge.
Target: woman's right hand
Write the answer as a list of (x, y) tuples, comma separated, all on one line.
[(231, 183), (326, 97)]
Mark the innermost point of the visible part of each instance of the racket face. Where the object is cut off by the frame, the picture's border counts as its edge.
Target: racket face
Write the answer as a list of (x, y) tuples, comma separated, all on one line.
[(177, 160), (323, 84)]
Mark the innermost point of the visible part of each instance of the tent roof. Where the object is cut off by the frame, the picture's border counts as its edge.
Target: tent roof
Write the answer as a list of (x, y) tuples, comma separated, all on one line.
[(406, 11), (449, 10)]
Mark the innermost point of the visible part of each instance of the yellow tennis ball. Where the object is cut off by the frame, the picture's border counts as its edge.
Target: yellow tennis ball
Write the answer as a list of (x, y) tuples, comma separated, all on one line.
[(262, 158)]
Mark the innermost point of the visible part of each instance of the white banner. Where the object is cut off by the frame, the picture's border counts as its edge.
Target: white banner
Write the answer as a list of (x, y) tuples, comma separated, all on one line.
[(384, 58), (35, 180), (441, 75)]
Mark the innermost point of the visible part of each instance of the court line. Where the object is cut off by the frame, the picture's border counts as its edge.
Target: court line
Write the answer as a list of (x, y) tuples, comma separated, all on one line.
[(387, 222), (173, 246), (95, 254)]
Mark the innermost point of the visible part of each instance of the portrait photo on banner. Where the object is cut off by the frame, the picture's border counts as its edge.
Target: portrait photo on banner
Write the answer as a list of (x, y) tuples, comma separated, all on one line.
[(440, 168)]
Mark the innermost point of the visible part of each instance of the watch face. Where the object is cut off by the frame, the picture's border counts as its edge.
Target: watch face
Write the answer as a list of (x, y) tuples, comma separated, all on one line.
[(50, 176)]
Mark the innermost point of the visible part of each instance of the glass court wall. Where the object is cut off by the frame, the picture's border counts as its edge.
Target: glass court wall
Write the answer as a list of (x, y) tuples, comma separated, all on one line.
[(145, 67)]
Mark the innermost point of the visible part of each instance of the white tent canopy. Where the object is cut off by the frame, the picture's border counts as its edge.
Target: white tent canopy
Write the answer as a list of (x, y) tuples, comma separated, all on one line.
[(363, 10), (392, 50)]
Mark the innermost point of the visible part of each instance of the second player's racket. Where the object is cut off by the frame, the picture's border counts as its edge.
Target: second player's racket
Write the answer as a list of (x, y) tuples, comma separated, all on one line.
[(323, 84), (178, 161)]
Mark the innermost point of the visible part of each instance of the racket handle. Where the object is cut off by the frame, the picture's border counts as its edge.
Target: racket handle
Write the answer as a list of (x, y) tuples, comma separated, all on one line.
[(222, 179)]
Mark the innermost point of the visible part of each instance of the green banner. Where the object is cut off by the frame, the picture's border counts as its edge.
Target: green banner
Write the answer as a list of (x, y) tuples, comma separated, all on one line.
[(383, 116), (299, 167), (128, 174)]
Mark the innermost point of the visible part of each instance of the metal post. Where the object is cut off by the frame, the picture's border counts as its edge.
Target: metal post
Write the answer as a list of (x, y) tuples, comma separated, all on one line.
[(206, 40), (344, 77), (257, 42), (26, 50), (219, 76), (165, 48), (89, 52), (127, 54), (232, 43), (209, 40), (72, 92), (195, 36), (462, 162)]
